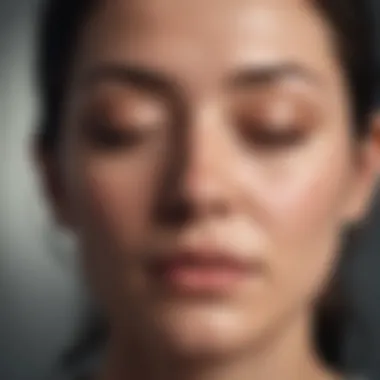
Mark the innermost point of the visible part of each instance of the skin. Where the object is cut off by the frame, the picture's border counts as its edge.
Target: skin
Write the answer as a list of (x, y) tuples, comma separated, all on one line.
[(210, 122)]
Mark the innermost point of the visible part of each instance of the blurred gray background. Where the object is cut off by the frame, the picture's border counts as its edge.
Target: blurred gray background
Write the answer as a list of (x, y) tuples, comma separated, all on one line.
[(41, 299)]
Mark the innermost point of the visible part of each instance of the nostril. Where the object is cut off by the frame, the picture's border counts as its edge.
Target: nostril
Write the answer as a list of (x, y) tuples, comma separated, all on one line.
[(176, 211), (183, 205)]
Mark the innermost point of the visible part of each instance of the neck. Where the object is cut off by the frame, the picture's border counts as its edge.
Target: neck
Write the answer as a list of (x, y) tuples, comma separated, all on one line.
[(289, 355)]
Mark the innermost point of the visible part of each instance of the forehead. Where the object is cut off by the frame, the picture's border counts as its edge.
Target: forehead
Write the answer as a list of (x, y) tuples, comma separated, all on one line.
[(205, 37)]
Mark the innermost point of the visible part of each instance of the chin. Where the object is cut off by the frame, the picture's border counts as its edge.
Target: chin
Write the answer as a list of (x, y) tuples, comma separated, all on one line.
[(206, 330)]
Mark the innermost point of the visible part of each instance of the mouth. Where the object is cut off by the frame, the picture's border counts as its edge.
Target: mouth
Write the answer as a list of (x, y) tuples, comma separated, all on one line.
[(203, 272)]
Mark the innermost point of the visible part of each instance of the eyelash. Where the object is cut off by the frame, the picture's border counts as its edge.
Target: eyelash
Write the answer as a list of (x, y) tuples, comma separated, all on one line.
[(110, 138), (268, 137)]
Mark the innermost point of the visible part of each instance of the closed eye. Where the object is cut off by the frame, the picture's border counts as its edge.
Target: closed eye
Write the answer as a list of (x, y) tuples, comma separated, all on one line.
[(111, 138), (273, 137)]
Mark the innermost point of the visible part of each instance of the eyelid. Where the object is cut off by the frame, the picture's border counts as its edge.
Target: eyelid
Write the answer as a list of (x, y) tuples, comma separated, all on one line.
[(110, 139), (98, 125), (116, 97), (121, 117), (295, 122), (278, 105)]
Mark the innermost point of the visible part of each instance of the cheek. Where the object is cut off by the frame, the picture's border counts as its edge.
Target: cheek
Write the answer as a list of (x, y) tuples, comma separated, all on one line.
[(112, 197), (300, 211), (110, 202), (308, 201)]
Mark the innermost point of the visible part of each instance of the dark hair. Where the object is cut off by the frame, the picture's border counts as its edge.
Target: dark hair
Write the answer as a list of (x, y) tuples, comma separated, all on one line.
[(352, 23)]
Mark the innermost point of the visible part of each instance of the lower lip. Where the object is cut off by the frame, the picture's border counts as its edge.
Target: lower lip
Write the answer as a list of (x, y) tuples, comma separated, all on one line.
[(198, 279)]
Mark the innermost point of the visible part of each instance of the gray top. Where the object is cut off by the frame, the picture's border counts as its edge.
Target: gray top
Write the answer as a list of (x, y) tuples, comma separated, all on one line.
[(89, 377)]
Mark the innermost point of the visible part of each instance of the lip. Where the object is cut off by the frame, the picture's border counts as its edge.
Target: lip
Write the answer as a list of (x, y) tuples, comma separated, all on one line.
[(203, 271)]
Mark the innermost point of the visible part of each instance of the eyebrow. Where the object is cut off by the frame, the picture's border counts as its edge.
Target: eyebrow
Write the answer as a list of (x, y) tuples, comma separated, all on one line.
[(136, 75), (272, 74)]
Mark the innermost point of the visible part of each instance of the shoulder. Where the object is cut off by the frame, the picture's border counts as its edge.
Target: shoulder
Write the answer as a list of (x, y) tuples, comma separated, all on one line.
[(73, 377)]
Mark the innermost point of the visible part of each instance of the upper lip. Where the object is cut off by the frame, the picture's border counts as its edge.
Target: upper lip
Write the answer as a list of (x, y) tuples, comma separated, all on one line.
[(205, 257)]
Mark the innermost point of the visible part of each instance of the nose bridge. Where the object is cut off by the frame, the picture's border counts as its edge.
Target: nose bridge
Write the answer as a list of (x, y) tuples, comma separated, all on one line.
[(204, 171), (204, 138), (199, 183)]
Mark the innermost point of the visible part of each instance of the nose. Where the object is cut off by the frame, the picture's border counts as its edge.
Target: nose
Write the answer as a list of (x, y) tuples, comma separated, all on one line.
[(201, 184)]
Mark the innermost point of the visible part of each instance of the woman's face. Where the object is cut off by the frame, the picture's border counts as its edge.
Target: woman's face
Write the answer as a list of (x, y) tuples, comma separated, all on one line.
[(208, 166)]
